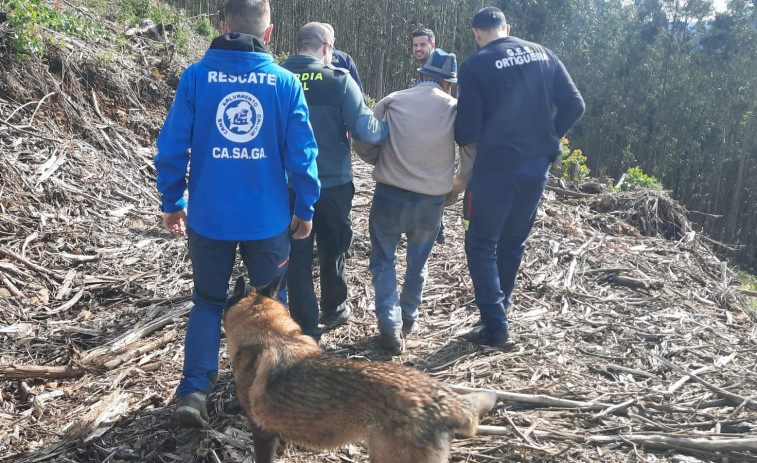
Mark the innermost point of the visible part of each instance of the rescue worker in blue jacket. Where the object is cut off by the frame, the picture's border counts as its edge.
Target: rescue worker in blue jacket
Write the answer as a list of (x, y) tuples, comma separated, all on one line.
[(245, 121), (336, 107), (515, 102)]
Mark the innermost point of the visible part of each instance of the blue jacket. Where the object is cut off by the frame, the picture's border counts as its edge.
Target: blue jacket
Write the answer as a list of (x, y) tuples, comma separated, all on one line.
[(508, 93), (245, 121), (344, 61), (336, 106)]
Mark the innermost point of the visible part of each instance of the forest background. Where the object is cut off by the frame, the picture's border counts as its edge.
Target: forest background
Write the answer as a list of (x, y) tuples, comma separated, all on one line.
[(670, 85)]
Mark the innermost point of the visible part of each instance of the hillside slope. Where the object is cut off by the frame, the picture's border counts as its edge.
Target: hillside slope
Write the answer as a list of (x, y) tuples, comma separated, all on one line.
[(634, 344)]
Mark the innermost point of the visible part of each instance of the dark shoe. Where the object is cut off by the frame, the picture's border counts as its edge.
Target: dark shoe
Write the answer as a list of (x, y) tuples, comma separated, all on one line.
[(232, 406), (331, 321), (500, 341), (392, 341), (192, 411), (407, 328)]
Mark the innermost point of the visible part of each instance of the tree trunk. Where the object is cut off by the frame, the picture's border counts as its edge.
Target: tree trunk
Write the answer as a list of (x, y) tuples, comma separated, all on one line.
[(382, 52), (733, 213)]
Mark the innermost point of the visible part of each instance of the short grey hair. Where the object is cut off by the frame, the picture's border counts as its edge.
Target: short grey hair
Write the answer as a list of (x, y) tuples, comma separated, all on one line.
[(247, 16), (317, 35)]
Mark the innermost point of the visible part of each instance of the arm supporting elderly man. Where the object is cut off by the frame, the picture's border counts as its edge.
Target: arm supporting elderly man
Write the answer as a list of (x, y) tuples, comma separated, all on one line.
[(467, 157)]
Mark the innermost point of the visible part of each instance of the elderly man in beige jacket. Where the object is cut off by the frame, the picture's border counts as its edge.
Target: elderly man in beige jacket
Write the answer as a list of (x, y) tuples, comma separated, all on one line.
[(414, 174)]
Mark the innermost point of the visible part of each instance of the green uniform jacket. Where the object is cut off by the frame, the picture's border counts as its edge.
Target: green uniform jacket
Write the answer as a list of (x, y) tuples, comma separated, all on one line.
[(336, 108)]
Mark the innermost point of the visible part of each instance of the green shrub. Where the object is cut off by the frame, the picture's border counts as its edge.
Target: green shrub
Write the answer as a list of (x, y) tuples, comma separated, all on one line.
[(628, 158), (369, 101), (29, 41), (749, 282), (636, 179), (570, 161), (133, 11), (31, 18), (203, 27), (281, 57), (105, 57)]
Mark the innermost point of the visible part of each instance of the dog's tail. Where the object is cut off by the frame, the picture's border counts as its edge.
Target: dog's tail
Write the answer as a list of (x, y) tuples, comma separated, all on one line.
[(475, 406)]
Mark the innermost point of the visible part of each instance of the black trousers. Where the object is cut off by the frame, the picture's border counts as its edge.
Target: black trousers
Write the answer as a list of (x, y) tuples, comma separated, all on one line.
[(332, 229)]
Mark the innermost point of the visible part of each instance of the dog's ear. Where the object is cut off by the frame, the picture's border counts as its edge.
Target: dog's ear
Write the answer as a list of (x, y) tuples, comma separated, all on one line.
[(241, 290), (271, 289)]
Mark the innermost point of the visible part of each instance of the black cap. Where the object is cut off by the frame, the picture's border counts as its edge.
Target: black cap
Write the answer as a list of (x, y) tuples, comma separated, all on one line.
[(489, 18)]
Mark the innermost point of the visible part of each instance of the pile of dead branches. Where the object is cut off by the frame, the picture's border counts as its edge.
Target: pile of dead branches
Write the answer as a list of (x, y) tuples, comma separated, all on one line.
[(652, 212), (634, 343)]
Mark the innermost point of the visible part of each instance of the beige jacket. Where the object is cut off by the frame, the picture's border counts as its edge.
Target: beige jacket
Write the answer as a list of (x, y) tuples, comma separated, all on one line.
[(419, 154)]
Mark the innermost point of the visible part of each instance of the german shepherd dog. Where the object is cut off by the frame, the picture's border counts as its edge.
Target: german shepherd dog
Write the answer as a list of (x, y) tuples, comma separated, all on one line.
[(294, 391)]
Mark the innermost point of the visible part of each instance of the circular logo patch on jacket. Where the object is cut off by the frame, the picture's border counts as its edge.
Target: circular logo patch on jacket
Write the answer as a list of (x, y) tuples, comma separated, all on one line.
[(239, 117)]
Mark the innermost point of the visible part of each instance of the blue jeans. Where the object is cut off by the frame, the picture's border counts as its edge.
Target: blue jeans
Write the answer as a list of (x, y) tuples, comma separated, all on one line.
[(333, 231), (395, 211), (499, 211), (212, 265)]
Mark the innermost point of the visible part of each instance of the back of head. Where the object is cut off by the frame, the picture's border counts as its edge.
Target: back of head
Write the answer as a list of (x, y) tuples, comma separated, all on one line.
[(313, 36), (330, 28), (248, 16), (489, 18)]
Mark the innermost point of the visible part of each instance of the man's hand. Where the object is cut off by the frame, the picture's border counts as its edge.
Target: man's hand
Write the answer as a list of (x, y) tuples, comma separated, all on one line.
[(300, 228), (451, 199), (454, 195), (176, 222)]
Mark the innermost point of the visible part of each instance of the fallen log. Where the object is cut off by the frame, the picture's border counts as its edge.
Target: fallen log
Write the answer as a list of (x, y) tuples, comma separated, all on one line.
[(748, 292), (713, 444), (41, 372), (538, 399)]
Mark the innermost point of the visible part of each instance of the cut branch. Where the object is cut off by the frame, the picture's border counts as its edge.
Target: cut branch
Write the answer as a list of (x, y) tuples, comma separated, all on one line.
[(734, 399), (108, 352), (29, 263), (40, 372), (540, 399)]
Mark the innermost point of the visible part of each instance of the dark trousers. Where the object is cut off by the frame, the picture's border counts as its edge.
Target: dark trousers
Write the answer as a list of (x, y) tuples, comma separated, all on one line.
[(499, 211), (332, 229), (212, 265)]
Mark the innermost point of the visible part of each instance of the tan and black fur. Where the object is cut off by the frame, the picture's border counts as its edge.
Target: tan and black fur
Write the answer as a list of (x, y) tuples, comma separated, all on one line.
[(290, 388)]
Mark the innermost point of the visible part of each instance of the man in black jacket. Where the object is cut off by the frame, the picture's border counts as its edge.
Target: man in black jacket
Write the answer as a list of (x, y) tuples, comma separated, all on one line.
[(515, 102)]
